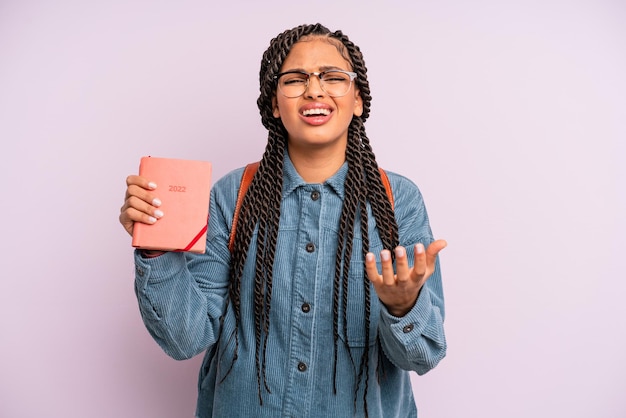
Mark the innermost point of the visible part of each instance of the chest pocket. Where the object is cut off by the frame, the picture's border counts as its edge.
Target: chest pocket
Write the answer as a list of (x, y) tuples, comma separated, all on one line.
[(358, 308)]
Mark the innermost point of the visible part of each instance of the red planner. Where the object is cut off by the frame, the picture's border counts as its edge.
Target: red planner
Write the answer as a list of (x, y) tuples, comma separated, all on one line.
[(184, 187)]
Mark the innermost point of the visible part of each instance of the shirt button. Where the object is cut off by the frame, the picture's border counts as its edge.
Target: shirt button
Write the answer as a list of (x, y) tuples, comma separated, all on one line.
[(310, 247), (315, 195), (140, 272), (306, 307), (407, 328), (302, 367)]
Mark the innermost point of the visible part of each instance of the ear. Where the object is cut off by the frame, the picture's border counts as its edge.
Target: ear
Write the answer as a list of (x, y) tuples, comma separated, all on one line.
[(275, 110), (358, 105)]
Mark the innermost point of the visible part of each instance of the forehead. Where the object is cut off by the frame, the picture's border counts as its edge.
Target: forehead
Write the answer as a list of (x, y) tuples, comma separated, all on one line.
[(315, 53)]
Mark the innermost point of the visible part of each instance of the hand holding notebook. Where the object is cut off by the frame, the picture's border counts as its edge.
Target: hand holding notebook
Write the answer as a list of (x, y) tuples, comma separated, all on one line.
[(183, 186)]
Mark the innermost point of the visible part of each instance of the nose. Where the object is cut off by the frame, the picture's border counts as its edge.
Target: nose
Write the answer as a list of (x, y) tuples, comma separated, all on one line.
[(314, 86)]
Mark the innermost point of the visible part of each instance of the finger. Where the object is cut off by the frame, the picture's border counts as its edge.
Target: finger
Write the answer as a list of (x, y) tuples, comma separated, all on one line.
[(141, 182), (433, 250), (130, 216), (387, 267), (139, 186), (402, 265), (419, 264), (371, 269), (143, 207), (143, 194)]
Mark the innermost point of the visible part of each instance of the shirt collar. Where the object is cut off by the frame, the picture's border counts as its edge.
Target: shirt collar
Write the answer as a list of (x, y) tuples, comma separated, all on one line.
[(292, 179)]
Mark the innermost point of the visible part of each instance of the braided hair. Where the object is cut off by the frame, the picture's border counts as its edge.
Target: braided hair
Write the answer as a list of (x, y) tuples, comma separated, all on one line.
[(261, 207)]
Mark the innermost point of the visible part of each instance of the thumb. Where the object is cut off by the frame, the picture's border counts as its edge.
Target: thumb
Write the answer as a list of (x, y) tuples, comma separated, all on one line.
[(434, 248)]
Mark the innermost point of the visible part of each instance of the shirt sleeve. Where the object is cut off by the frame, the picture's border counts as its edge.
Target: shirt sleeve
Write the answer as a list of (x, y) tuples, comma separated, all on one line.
[(182, 296), (415, 341)]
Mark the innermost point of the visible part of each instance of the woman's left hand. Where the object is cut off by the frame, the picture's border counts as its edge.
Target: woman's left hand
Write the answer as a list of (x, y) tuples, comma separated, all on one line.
[(399, 290)]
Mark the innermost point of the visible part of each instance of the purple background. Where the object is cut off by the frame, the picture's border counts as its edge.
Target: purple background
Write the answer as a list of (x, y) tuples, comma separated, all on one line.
[(510, 116)]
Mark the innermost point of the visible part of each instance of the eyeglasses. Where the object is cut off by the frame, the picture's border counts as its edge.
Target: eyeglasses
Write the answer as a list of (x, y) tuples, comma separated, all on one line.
[(335, 83)]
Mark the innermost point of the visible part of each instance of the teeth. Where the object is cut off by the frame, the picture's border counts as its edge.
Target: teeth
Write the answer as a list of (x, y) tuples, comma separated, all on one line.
[(318, 111)]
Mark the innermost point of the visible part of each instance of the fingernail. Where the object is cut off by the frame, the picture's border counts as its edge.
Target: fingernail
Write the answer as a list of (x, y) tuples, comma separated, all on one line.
[(152, 219), (369, 257), (385, 256), (158, 213), (420, 248), (152, 185), (156, 202), (399, 252)]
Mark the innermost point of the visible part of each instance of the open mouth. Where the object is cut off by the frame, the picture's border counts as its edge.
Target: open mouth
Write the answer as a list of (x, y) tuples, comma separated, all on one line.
[(316, 112)]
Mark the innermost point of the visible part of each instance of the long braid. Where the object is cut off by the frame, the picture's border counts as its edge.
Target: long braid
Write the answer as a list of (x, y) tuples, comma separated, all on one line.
[(273, 195), (364, 368), (261, 209), (344, 248), (385, 221), (260, 283), (340, 282), (359, 194)]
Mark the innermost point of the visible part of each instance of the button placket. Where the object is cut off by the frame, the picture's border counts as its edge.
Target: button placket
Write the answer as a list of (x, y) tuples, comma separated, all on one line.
[(304, 294)]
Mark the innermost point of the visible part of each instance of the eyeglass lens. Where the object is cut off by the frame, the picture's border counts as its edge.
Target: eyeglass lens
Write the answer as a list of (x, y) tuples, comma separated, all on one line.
[(334, 83)]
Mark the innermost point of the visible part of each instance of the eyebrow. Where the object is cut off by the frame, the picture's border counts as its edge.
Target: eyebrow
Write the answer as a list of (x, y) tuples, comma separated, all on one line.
[(322, 69)]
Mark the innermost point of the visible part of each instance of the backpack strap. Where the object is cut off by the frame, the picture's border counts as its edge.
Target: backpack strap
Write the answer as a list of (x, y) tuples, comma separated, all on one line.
[(246, 179), (387, 185)]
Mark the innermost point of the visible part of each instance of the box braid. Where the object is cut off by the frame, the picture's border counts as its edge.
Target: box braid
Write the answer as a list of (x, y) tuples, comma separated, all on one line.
[(261, 207)]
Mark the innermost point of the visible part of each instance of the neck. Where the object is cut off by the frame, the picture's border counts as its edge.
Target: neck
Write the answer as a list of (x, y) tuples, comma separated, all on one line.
[(316, 166)]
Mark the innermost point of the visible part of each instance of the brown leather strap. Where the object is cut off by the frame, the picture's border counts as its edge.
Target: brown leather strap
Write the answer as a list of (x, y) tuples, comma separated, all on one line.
[(246, 179), (387, 185)]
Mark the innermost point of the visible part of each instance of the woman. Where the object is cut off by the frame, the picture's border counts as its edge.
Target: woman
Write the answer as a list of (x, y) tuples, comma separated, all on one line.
[(330, 294)]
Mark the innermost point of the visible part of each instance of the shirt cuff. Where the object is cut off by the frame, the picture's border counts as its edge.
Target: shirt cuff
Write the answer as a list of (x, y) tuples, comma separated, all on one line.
[(157, 269), (414, 322)]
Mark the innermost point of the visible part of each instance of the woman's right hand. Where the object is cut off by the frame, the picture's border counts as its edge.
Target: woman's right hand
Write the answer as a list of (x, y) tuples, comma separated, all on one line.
[(140, 203)]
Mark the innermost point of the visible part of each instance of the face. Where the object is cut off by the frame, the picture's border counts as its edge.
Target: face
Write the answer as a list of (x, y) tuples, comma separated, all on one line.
[(328, 125)]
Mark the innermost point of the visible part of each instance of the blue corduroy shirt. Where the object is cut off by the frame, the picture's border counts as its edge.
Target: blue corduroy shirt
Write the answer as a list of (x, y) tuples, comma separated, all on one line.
[(182, 297)]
